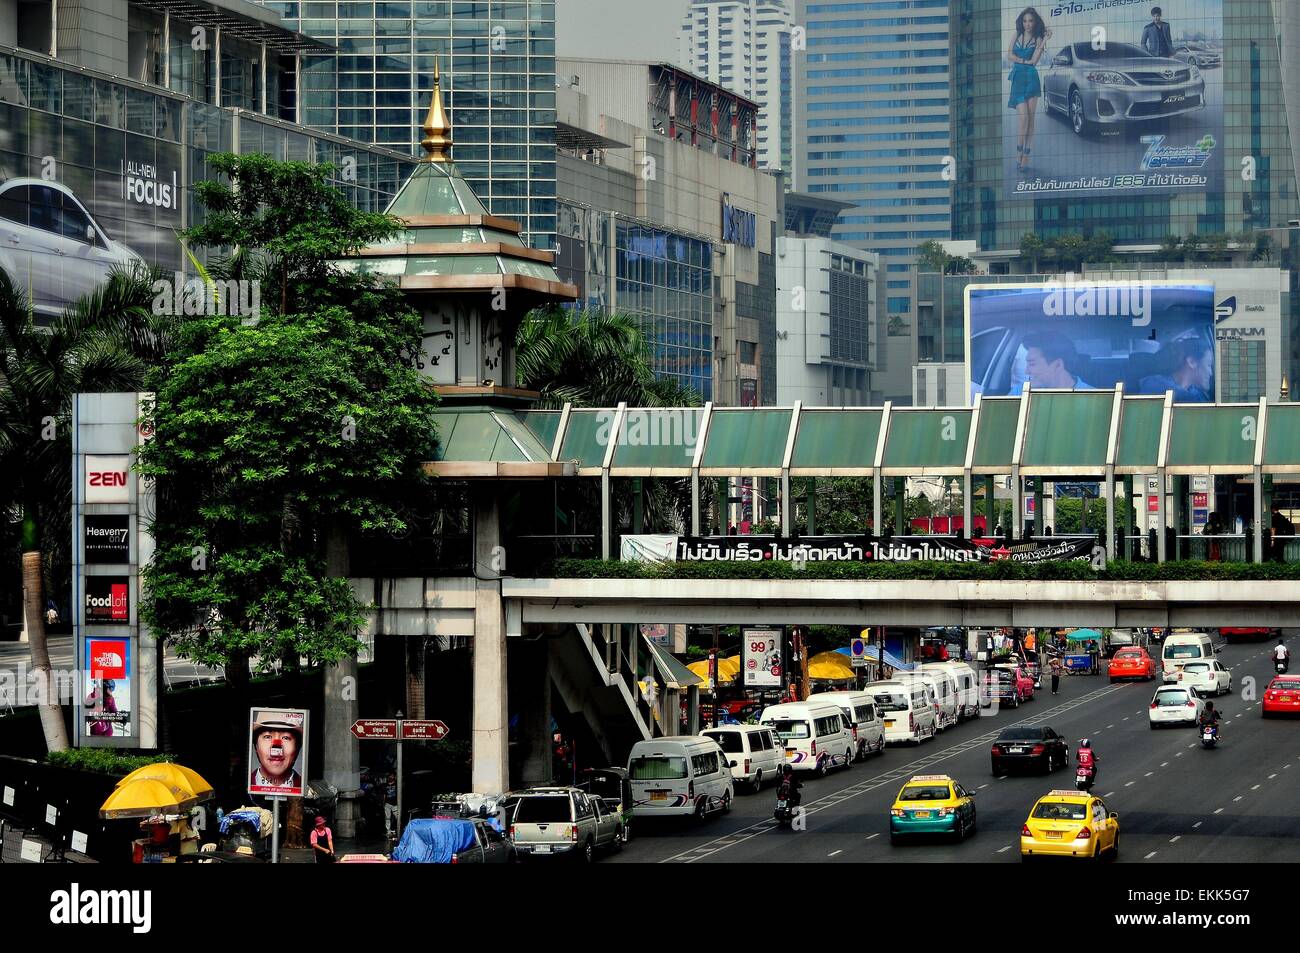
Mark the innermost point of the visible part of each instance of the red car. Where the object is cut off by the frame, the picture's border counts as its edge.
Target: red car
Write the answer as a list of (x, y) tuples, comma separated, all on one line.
[(1132, 663), (1282, 697), (1024, 682)]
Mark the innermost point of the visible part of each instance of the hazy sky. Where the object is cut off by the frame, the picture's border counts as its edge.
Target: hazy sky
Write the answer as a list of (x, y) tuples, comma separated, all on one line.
[(619, 29)]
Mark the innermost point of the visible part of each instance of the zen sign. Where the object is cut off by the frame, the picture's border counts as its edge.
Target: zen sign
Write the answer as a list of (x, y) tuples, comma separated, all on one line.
[(738, 226), (108, 478)]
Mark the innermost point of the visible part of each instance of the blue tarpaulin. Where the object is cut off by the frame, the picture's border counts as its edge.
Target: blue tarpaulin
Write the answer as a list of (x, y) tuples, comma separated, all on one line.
[(434, 840), (871, 652), (251, 816)]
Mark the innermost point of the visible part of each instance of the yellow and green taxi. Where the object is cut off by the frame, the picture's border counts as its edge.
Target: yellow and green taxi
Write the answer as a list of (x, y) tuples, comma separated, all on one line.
[(932, 804), (1069, 824)]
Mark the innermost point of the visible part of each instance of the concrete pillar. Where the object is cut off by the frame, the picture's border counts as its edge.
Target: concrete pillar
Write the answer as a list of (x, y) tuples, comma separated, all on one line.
[(533, 703), (1125, 551), (693, 710), (901, 526), (490, 768), (990, 506), (1040, 513), (342, 708)]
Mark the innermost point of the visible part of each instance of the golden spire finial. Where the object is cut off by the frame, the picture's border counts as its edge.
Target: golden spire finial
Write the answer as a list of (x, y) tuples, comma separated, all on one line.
[(1286, 388), (436, 128)]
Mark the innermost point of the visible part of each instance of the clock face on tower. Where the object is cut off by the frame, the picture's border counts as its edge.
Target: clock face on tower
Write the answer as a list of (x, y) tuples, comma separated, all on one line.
[(492, 350), (439, 349)]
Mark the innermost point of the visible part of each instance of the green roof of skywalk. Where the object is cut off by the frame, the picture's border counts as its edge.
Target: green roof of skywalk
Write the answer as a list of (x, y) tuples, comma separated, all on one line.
[(1067, 434), (749, 442), (1282, 448), (927, 441), (995, 436), (831, 442), (486, 435)]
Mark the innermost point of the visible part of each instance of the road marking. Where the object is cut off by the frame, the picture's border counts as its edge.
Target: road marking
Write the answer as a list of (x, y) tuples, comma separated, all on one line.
[(1108, 794), (1193, 745), (1218, 810), (892, 776), (1149, 856), (869, 836), (1178, 755), (1110, 726), (982, 786), (1174, 839), (1272, 776), (834, 852), (1163, 763), (1255, 788), (1125, 718), (1129, 784), (1148, 774), (1237, 798), (1003, 850), (1197, 824)]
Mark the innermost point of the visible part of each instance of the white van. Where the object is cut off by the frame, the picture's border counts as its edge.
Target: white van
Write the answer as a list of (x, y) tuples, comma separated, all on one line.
[(968, 687), (944, 689), (906, 708), (673, 777), (753, 753), (814, 733), (863, 719), (1182, 647)]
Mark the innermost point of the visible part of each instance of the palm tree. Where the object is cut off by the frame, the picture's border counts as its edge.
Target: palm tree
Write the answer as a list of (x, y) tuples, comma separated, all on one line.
[(102, 342)]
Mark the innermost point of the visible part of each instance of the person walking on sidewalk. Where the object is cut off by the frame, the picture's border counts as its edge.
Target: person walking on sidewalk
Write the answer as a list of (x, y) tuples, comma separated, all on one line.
[(390, 804), (1056, 675), (322, 843)]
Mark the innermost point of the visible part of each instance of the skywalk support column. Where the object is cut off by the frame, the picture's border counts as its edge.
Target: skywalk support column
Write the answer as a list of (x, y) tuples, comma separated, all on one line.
[(490, 770), (532, 687), (342, 708)]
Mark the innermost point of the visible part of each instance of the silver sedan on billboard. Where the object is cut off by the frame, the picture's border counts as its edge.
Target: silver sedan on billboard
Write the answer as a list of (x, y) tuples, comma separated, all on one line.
[(1120, 83), (51, 245)]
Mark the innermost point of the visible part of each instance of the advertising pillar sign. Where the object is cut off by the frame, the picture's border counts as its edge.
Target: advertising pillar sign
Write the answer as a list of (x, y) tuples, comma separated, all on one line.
[(108, 539), (277, 751), (760, 658)]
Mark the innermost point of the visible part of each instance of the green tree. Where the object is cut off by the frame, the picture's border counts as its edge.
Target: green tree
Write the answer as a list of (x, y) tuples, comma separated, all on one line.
[(931, 257), (277, 433), (103, 342), (1032, 251)]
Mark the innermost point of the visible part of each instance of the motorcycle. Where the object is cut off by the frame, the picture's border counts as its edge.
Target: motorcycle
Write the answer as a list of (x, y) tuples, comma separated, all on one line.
[(786, 802), (1084, 776), (1209, 736), (1281, 665)]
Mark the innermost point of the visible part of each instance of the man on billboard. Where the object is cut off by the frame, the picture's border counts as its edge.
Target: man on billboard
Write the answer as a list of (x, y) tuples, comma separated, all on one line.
[(1051, 361), (276, 750), (1156, 37)]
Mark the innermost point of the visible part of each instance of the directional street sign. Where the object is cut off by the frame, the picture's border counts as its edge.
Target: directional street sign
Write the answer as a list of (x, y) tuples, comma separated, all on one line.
[(423, 730), (379, 729)]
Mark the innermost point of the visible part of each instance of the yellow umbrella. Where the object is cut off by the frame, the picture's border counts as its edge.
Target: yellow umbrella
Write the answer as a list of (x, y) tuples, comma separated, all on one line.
[(830, 667), (146, 797), (175, 775), (728, 669)]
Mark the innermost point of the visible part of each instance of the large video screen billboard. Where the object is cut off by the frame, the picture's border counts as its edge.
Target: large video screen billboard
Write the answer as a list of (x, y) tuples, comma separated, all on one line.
[(1111, 96), (1153, 336)]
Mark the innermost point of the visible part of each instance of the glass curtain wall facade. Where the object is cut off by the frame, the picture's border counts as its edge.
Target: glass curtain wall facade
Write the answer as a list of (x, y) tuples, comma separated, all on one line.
[(873, 129), (498, 77)]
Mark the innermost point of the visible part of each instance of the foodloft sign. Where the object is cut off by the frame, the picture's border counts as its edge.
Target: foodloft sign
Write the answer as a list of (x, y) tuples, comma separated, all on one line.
[(107, 478), (108, 600), (738, 226)]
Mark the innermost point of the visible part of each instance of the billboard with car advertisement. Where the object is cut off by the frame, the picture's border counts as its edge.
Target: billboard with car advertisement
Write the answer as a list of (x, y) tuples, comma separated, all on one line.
[(1112, 96), (1154, 336)]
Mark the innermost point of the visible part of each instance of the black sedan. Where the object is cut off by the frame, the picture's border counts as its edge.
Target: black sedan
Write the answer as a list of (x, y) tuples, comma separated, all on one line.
[(1029, 746)]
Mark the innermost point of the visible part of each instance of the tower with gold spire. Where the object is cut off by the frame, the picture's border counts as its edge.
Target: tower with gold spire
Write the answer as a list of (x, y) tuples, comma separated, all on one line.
[(466, 270)]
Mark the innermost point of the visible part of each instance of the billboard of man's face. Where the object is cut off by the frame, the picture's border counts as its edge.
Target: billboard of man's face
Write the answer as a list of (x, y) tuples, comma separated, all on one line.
[(277, 752)]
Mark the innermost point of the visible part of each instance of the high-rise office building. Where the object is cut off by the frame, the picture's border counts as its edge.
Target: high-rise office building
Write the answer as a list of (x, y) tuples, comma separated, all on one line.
[(872, 103), (498, 69), (744, 46), (1148, 133)]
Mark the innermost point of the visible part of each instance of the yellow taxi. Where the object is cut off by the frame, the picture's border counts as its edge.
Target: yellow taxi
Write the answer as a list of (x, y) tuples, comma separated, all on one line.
[(932, 804), (1069, 824)]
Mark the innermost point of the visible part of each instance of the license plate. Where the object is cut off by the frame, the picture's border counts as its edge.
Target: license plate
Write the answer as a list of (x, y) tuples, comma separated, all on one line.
[(542, 849), (889, 724), (920, 813), (658, 795), (780, 805), (1175, 98), (1285, 698), (790, 753), (1016, 750), (1055, 835)]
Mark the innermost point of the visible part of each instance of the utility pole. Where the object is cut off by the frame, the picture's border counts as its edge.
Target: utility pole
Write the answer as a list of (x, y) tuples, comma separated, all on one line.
[(713, 666)]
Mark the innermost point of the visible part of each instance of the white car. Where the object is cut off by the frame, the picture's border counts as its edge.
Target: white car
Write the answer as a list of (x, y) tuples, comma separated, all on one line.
[(1174, 705), (51, 246), (1208, 678)]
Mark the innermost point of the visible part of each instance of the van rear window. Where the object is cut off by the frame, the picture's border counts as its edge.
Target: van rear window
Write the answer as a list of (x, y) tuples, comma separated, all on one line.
[(1183, 650), (728, 741), (889, 702), (657, 768), (787, 729)]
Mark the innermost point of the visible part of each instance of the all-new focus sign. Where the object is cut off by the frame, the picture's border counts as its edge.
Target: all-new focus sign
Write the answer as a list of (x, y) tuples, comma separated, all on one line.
[(107, 600)]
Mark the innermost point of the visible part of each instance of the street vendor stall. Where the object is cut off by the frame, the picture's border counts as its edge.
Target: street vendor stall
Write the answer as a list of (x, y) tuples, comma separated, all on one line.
[(1083, 656), (161, 796)]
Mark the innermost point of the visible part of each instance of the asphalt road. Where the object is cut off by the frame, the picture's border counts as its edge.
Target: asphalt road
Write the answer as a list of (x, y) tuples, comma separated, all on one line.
[(1176, 801)]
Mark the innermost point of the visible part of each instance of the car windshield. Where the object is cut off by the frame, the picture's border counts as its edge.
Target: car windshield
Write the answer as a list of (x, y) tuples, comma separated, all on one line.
[(1021, 734), (1170, 699), (548, 809), (657, 768), (891, 702), (1128, 656), (1057, 811), (925, 792), (1185, 650), (729, 741), (788, 729), (1110, 51)]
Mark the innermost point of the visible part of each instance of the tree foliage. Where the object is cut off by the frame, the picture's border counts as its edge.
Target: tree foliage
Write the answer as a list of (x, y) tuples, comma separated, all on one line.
[(273, 435)]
